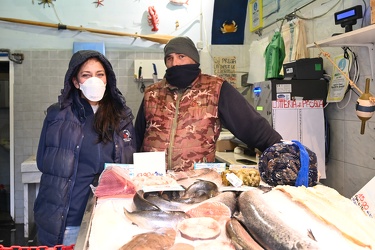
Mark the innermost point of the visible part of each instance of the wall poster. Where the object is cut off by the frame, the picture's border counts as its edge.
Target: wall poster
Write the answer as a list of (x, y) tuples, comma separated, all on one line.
[(256, 15), (229, 22), (225, 67)]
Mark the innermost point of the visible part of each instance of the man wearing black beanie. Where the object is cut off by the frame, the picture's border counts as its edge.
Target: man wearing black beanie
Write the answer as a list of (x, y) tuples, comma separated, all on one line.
[(183, 113)]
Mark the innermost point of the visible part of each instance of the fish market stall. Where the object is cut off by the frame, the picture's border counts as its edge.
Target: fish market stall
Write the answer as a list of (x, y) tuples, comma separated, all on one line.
[(221, 217)]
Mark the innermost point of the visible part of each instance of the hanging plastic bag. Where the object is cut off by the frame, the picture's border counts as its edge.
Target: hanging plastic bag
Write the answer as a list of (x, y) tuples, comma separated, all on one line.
[(274, 56)]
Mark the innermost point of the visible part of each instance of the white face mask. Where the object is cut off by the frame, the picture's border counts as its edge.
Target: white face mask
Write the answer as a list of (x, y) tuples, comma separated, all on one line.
[(93, 88)]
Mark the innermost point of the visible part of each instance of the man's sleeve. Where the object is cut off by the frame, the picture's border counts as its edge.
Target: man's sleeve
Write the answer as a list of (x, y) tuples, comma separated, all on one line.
[(243, 121)]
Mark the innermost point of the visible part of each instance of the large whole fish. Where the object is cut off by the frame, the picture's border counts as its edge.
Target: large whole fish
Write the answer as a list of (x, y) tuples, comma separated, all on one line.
[(199, 191), (267, 228), (278, 222), (187, 178), (240, 238), (156, 199), (155, 219), (142, 204)]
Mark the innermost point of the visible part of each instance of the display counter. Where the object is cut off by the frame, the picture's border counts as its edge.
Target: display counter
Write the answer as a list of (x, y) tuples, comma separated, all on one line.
[(30, 179), (84, 232), (292, 211), (229, 158)]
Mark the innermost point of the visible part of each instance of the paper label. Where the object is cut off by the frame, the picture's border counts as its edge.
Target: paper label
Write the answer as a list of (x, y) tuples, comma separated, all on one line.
[(338, 84), (240, 166), (129, 167), (365, 198), (149, 164), (219, 167), (156, 188)]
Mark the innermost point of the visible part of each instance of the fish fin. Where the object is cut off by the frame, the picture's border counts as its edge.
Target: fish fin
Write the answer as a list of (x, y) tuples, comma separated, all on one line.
[(310, 234), (265, 189)]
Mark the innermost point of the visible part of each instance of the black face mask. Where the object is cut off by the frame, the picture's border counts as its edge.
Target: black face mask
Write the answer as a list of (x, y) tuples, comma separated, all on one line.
[(182, 76)]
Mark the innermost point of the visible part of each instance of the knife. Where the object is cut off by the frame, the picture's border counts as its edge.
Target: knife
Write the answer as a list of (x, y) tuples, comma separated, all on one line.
[(140, 72), (155, 75), (155, 71)]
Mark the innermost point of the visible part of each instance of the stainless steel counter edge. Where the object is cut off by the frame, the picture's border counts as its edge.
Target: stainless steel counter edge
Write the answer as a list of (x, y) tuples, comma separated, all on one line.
[(84, 232)]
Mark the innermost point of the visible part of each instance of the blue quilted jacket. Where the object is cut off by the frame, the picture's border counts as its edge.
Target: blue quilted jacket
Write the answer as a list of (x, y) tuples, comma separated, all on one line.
[(59, 148)]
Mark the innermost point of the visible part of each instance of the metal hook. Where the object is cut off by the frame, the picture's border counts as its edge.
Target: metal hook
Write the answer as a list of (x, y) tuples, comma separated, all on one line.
[(14, 57)]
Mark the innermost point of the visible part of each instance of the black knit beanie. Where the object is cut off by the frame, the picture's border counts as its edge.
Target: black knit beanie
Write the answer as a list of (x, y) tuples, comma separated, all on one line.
[(181, 45)]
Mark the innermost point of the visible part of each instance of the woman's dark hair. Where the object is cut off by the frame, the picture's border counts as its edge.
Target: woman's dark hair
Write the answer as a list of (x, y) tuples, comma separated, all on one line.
[(108, 117)]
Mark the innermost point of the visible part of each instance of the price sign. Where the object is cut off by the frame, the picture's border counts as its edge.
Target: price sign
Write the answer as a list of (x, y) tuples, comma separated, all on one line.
[(149, 164)]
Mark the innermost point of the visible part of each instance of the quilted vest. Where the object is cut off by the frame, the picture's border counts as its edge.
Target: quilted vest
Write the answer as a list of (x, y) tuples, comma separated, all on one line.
[(183, 123)]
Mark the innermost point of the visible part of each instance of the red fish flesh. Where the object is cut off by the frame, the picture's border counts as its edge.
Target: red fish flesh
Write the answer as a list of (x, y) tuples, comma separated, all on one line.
[(115, 182)]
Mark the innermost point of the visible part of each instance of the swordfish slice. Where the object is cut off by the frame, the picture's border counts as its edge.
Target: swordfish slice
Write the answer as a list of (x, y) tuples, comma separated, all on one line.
[(220, 207), (215, 210)]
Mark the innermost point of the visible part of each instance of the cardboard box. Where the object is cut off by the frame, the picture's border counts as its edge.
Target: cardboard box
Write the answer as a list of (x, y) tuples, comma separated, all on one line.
[(365, 198), (372, 7), (225, 145)]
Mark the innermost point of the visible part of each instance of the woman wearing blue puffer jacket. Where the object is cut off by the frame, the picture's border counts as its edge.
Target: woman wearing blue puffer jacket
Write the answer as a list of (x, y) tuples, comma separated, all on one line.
[(88, 127)]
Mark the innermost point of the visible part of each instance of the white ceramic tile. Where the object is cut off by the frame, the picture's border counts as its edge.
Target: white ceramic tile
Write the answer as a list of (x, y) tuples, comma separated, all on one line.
[(359, 149), (355, 178), (335, 175), (337, 140)]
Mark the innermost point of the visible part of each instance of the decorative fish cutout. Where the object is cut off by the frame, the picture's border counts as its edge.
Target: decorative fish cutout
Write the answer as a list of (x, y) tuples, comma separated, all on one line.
[(179, 2), (153, 19), (228, 27)]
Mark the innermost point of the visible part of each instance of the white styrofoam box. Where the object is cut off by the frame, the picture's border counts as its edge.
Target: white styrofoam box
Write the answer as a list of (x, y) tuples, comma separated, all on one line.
[(98, 46), (148, 68)]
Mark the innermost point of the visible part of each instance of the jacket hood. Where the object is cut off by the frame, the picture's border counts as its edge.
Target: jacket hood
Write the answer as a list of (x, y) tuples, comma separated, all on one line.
[(78, 58)]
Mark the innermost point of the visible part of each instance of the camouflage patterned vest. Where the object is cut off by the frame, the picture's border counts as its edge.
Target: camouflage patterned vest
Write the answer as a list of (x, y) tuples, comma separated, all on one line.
[(184, 124)]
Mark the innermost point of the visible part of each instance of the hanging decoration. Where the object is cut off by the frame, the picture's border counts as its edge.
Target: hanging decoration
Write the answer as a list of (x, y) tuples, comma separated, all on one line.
[(99, 3), (228, 27), (153, 19), (157, 38), (179, 2), (228, 23), (44, 2), (365, 106)]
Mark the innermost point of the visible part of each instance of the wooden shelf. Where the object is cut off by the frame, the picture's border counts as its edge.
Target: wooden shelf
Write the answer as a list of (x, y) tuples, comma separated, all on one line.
[(360, 37), (363, 37)]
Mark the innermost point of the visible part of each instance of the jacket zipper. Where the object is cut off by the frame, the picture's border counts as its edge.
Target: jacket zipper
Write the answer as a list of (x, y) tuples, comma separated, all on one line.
[(173, 132)]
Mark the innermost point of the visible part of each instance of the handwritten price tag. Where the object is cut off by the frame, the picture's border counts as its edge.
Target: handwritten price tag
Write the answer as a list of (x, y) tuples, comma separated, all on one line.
[(149, 164), (365, 198)]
